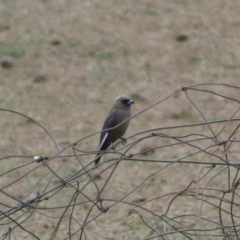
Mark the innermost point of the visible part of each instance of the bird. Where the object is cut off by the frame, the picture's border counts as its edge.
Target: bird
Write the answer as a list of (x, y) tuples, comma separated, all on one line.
[(120, 112)]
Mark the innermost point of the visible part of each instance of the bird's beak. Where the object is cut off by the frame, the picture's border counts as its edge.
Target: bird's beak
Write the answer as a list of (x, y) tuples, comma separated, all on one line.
[(130, 102)]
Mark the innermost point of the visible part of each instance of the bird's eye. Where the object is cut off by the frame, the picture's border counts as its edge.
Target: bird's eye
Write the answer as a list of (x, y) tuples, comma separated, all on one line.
[(125, 101), (128, 101)]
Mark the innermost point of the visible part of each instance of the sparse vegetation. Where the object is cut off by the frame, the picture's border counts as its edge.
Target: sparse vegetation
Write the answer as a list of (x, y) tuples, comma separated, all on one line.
[(68, 61)]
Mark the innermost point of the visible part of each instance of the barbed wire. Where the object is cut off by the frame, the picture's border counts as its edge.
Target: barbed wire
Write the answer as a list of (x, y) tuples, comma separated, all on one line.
[(187, 179)]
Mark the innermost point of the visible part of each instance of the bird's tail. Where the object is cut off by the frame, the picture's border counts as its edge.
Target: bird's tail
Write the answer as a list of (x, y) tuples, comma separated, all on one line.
[(98, 157), (101, 147)]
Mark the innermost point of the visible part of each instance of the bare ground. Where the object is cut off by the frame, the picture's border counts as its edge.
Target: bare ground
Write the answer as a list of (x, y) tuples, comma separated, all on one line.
[(69, 60)]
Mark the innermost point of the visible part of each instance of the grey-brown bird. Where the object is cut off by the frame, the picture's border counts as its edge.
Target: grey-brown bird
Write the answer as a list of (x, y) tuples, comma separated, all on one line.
[(120, 112)]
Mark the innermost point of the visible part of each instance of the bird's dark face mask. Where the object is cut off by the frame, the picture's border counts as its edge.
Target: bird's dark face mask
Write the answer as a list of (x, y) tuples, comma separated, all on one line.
[(128, 102)]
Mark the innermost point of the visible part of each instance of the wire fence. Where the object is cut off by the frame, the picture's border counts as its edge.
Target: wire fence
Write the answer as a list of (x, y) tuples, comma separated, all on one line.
[(170, 182)]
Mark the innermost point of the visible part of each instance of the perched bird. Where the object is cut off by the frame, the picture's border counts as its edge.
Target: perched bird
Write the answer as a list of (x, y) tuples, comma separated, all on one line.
[(118, 114)]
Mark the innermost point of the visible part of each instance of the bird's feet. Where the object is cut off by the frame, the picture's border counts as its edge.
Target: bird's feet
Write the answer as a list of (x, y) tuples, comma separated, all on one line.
[(113, 146), (124, 140)]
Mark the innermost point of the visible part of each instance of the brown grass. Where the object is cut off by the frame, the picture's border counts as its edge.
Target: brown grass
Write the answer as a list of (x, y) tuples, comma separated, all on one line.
[(71, 59)]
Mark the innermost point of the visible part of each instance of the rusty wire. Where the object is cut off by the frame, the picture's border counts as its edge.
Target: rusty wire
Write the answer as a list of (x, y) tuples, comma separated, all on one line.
[(205, 207)]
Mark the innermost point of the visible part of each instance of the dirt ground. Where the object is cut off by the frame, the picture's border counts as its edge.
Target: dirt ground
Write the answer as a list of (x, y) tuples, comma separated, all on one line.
[(62, 65)]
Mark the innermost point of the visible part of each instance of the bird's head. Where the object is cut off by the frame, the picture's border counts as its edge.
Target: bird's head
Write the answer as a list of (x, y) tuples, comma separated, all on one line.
[(123, 102)]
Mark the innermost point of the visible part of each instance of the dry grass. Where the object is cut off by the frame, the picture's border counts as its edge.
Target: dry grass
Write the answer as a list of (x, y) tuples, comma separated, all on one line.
[(70, 59)]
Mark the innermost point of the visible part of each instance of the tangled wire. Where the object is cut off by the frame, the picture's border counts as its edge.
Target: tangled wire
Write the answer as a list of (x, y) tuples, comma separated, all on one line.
[(183, 184)]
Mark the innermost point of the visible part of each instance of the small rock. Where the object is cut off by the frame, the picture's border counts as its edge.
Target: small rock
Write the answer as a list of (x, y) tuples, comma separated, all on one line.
[(182, 37), (6, 63), (146, 151), (139, 200), (40, 78), (56, 42)]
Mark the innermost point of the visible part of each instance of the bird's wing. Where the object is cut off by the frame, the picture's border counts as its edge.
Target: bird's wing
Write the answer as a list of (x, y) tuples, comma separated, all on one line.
[(110, 120), (109, 123)]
